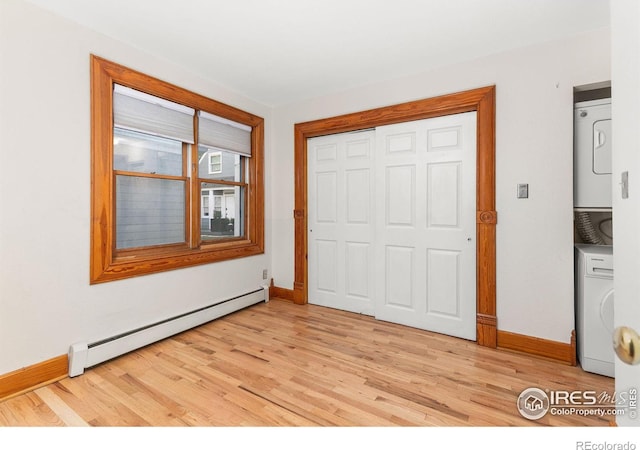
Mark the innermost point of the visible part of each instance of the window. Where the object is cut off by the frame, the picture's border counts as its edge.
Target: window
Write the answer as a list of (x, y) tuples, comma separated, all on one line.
[(156, 150), (205, 205), (215, 163)]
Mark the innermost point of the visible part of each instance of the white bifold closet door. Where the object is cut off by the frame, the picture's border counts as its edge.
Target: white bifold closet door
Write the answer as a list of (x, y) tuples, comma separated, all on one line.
[(425, 225), (395, 232), (341, 221)]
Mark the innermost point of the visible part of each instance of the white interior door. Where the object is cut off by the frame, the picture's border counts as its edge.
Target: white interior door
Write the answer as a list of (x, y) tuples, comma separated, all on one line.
[(341, 221), (625, 19), (425, 224)]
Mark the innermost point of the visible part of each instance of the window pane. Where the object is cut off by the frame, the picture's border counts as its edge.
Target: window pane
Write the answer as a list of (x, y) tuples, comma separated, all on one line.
[(144, 153), (218, 164), (222, 211), (149, 211)]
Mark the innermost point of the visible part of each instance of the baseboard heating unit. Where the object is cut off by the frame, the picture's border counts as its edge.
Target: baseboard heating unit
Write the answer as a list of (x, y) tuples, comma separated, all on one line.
[(83, 355)]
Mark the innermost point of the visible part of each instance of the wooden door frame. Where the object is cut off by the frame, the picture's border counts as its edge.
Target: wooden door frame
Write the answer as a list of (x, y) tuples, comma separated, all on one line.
[(481, 100)]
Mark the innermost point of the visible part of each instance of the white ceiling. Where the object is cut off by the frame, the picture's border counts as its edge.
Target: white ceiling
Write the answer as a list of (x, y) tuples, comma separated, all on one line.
[(282, 51)]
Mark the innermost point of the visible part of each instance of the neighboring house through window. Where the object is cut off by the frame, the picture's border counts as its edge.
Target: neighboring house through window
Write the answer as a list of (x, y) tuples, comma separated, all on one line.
[(148, 162)]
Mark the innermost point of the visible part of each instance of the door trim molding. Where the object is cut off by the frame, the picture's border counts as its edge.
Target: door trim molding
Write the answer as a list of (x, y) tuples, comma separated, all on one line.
[(481, 100)]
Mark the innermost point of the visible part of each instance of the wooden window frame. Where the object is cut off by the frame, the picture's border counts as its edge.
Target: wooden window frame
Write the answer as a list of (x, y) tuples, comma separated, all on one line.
[(107, 264)]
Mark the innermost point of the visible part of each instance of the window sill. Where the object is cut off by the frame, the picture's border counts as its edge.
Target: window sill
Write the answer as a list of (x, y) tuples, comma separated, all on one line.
[(128, 266)]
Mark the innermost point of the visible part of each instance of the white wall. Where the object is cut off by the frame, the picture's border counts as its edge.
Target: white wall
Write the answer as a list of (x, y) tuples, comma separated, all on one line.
[(534, 88), (46, 302)]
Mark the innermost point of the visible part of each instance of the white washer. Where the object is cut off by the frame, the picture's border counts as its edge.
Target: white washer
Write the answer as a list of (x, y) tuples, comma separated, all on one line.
[(594, 308)]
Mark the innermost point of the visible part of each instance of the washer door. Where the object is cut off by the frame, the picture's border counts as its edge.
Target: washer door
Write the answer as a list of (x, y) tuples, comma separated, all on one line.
[(606, 311)]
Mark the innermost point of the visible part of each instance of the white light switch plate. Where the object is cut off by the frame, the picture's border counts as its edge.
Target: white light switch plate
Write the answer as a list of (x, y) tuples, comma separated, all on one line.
[(523, 191)]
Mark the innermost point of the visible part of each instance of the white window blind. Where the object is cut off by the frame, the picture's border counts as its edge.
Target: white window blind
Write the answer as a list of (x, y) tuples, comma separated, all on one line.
[(137, 111), (214, 131)]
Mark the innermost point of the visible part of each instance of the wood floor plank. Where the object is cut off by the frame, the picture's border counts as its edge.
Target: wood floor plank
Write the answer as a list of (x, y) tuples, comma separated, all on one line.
[(28, 410), (61, 409), (281, 364)]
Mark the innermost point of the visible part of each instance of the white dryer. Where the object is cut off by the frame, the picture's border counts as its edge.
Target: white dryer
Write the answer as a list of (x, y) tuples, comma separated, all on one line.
[(592, 154), (594, 308)]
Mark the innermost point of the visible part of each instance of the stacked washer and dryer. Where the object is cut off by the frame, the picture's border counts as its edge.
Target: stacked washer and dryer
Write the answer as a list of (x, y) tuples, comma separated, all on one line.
[(594, 240)]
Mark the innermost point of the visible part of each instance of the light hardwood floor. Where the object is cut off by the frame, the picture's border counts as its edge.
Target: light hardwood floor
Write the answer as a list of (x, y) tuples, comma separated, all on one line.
[(280, 364)]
